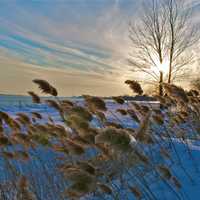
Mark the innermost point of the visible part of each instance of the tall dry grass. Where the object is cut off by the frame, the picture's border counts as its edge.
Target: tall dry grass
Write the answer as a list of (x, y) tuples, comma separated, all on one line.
[(110, 161)]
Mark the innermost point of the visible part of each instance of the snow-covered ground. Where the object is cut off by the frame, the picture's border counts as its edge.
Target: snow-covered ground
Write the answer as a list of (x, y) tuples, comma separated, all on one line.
[(42, 167)]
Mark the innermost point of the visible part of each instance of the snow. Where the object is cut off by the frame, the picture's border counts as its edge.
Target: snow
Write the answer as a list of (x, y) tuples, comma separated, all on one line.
[(42, 167)]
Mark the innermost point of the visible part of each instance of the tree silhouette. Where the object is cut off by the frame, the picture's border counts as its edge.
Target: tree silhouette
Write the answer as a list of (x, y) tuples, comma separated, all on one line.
[(161, 39)]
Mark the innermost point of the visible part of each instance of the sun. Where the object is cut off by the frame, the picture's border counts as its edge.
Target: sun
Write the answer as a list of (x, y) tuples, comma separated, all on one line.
[(161, 67)]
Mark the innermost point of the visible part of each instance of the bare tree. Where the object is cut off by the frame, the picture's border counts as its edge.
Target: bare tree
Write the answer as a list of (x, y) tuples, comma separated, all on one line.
[(182, 35), (160, 38), (148, 36)]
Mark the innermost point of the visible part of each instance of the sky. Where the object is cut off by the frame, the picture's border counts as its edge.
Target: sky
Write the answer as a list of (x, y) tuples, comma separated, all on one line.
[(80, 46)]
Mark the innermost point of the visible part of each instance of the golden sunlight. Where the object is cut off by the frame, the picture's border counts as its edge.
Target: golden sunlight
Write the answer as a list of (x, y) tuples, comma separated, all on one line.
[(161, 67), (164, 67)]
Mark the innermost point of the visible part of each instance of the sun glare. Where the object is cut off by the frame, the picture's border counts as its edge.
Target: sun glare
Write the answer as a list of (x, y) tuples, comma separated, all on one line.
[(163, 67)]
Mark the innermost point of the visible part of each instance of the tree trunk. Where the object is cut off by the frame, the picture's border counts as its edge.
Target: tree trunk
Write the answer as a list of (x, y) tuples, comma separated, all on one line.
[(161, 84), (170, 73)]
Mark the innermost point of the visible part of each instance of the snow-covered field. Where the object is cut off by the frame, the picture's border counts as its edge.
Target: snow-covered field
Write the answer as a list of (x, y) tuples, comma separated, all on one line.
[(43, 165)]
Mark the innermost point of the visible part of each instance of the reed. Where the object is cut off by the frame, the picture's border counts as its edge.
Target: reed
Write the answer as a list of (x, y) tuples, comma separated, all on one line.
[(102, 162)]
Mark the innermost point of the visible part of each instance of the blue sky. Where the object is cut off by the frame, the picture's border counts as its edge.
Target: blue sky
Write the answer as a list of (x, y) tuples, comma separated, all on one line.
[(78, 45)]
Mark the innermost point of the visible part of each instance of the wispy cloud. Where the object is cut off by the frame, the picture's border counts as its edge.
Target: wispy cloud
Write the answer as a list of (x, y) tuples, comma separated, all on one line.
[(17, 75), (84, 41)]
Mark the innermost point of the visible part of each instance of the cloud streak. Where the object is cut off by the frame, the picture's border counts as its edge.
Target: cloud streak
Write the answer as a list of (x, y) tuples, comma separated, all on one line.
[(85, 43)]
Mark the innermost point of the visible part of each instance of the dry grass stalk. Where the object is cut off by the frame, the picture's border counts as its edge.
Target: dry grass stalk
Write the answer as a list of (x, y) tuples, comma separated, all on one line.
[(142, 134), (165, 172), (133, 115), (36, 115), (136, 191), (46, 87), (176, 92), (119, 100), (105, 188), (122, 111), (74, 147), (35, 97), (54, 104), (111, 148), (95, 103), (135, 86), (117, 138)]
